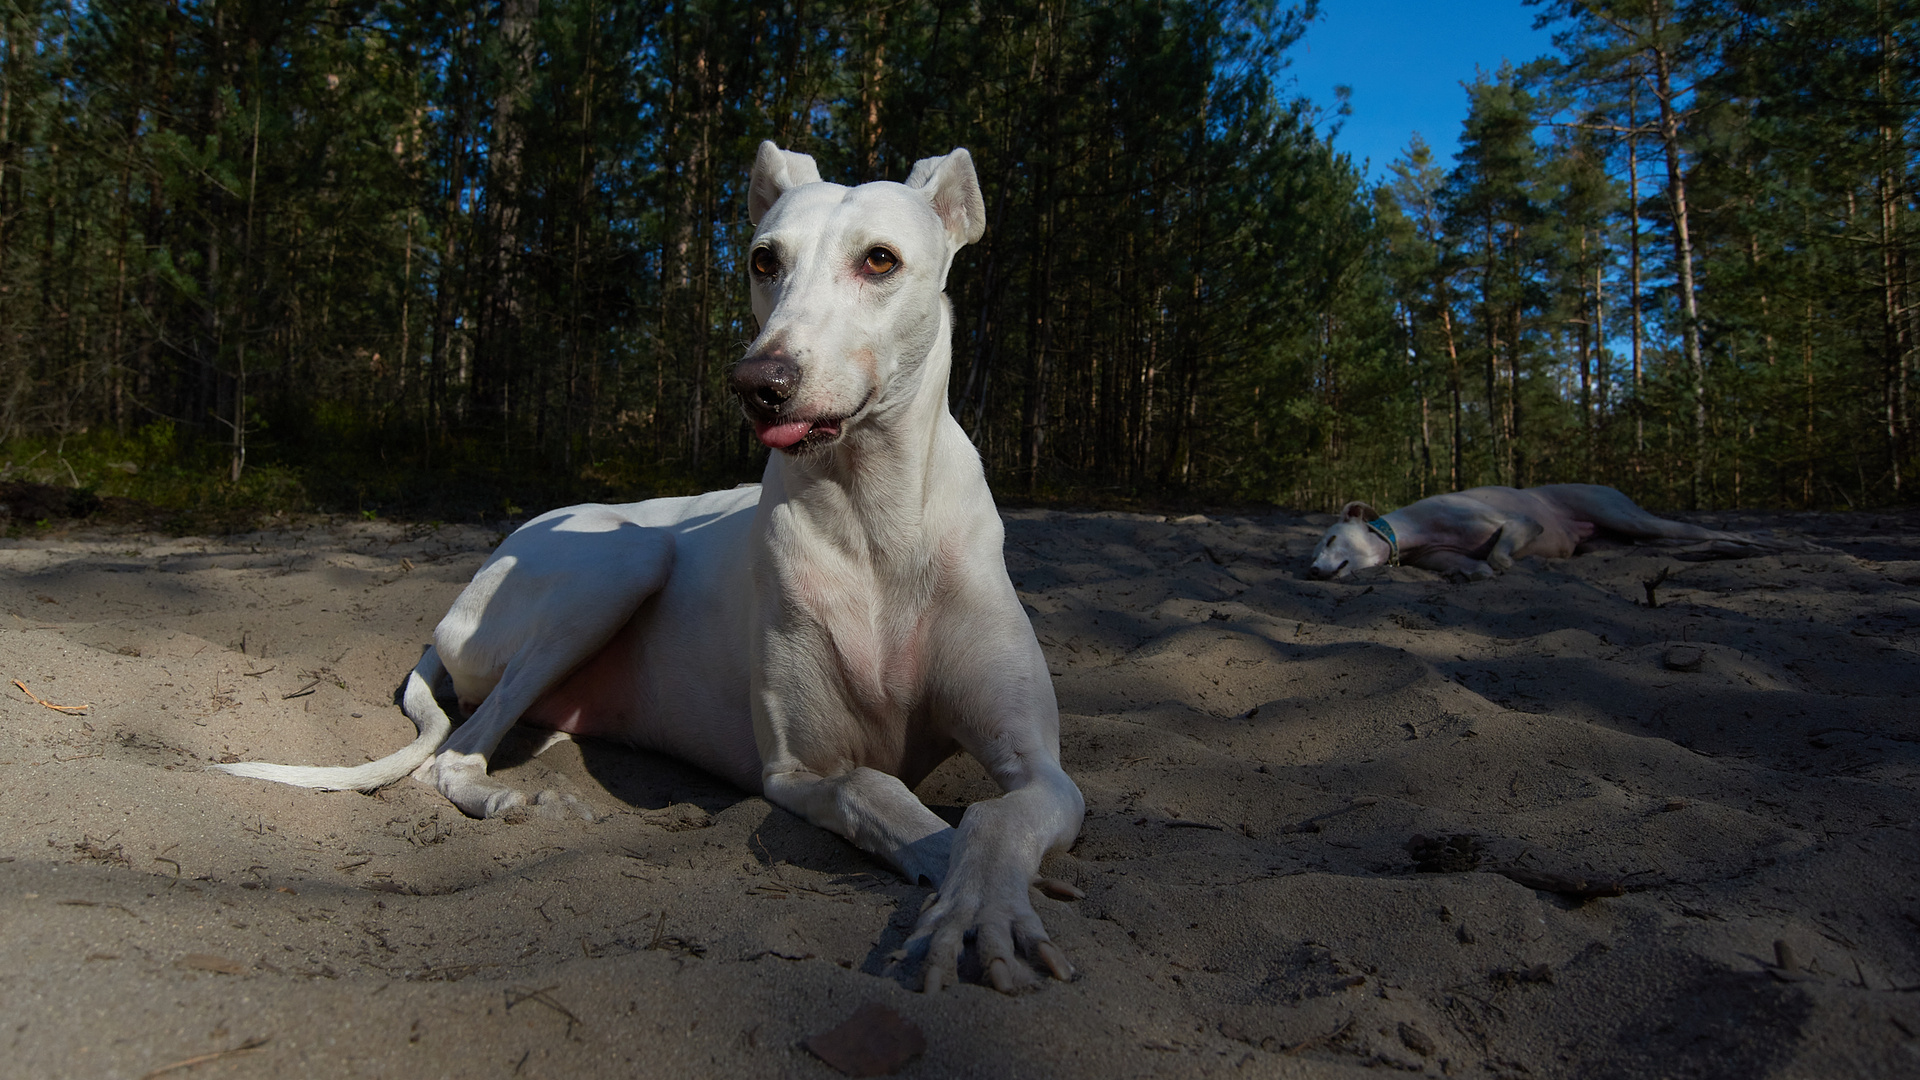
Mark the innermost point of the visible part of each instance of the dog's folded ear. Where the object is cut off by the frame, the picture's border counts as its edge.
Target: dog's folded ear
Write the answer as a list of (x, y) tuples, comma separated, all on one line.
[(954, 190), (775, 172), (1359, 511)]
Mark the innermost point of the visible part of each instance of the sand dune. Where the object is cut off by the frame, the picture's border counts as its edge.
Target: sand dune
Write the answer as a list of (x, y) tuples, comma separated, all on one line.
[(1259, 752)]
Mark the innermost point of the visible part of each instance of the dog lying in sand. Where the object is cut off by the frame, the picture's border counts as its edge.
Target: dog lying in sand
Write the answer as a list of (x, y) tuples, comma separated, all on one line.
[(826, 638), (1474, 533)]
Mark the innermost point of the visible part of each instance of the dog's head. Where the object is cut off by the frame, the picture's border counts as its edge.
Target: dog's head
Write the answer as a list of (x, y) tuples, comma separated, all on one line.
[(1349, 545), (847, 286)]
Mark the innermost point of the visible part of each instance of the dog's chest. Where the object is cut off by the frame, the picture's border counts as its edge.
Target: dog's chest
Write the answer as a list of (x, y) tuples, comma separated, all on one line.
[(871, 631)]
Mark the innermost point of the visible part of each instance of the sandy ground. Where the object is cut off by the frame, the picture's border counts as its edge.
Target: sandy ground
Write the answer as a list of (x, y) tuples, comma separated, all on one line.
[(1257, 751)]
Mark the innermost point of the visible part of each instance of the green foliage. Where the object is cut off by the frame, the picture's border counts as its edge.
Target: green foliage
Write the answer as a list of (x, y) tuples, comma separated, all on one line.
[(149, 465), (449, 259), (1677, 257)]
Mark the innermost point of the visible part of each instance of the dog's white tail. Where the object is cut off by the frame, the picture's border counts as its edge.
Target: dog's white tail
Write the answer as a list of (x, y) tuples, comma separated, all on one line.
[(427, 716)]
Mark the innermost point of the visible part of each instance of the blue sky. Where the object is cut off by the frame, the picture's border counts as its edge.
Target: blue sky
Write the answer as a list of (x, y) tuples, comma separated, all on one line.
[(1405, 60)]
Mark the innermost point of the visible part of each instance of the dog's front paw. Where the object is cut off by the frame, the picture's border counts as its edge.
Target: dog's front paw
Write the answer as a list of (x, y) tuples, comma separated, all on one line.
[(984, 898), (1007, 935)]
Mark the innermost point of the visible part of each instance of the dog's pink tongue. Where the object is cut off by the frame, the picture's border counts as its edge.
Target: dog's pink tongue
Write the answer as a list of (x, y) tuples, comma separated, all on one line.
[(781, 436)]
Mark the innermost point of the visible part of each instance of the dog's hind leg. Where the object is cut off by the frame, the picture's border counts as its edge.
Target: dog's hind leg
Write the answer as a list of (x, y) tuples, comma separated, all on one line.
[(1614, 513), (1618, 515), (1515, 534), (548, 600), (459, 770)]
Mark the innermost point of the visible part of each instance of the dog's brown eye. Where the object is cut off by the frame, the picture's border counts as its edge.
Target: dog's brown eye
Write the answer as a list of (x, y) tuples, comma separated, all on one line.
[(763, 262), (880, 261)]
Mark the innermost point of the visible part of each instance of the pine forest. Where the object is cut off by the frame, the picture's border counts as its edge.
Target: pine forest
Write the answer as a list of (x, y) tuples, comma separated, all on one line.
[(358, 254)]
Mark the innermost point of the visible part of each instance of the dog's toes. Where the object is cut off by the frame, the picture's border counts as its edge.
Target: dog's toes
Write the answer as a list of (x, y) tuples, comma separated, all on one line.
[(940, 966), (500, 802), (1059, 890), (1055, 960), (1000, 973), (933, 980), (559, 806), (1003, 966), (1010, 975)]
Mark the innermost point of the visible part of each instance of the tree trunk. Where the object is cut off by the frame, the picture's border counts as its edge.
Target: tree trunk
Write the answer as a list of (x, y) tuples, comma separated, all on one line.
[(1682, 250), (1891, 192), (1633, 275), (498, 348), (446, 282), (1456, 472)]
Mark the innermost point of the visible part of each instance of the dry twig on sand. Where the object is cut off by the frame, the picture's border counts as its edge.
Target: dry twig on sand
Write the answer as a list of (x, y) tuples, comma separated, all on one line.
[(1652, 584), (201, 1059), (515, 997), (42, 701)]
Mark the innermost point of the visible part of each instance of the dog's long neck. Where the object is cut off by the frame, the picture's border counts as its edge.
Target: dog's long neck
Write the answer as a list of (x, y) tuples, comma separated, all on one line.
[(872, 489), (1408, 537)]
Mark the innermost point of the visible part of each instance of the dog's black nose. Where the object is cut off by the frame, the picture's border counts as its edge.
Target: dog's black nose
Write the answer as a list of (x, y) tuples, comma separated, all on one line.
[(765, 380)]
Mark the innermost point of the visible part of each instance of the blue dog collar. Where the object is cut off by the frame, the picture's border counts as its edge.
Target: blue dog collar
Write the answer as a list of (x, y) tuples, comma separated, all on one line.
[(1385, 532)]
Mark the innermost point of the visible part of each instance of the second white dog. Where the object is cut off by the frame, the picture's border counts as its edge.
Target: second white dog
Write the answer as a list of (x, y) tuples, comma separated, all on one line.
[(1469, 535), (827, 638)]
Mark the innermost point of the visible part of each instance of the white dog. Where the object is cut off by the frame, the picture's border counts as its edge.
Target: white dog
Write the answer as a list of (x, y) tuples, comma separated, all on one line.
[(825, 639), (1470, 534)]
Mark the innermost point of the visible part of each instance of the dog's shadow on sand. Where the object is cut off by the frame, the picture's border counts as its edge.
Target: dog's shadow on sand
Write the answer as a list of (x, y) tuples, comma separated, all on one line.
[(793, 853), (676, 796)]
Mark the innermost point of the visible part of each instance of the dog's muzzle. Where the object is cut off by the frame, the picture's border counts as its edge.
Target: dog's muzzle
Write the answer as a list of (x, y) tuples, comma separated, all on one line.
[(765, 382)]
